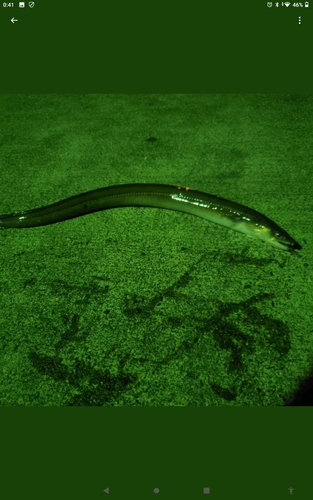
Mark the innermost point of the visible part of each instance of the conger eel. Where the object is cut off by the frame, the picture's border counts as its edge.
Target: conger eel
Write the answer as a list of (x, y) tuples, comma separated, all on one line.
[(182, 199)]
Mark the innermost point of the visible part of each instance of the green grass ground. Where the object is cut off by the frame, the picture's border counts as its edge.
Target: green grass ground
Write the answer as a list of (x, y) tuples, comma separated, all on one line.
[(146, 307)]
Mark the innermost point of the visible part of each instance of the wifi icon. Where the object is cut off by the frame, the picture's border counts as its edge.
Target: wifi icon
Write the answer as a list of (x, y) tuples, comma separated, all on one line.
[(287, 4)]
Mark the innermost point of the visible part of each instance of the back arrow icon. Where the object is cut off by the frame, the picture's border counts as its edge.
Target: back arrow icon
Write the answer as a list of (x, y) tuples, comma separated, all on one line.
[(13, 20)]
